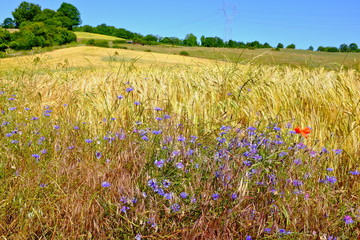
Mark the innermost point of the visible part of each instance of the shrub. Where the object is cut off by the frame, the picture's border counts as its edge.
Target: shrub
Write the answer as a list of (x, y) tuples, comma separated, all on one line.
[(98, 43), (119, 41), (184, 53), (120, 47)]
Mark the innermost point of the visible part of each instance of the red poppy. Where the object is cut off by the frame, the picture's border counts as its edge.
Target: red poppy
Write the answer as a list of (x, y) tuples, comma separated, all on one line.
[(304, 132)]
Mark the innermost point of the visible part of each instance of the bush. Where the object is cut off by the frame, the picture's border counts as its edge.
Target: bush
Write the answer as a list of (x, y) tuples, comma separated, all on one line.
[(184, 53), (120, 47), (291, 46), (98, 43), (3, 46), (119, 41)]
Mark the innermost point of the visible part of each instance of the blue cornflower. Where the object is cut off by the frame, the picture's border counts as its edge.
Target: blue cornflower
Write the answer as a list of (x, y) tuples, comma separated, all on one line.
[(145, 138), (158, 109), (71, 147), (215, 196), (283, 231), (160, 191), (120, 97), (76, 128), (184, 195), (44, 151), (234, 196), (151, 221), (105, 184), (137, 103), (37, 156), (12, 108), (297, 161), (282, 154), (348, 219), (56, 126), (355, 172), (98, 155), (156, 132), (166, 116), (152, 183), (324, 150), (297, 183), (179, 165), (175, 207), (247, 163), (181, 138), (331, 179), (338, 151), (129, 89), (248, 238), (124, 209), (267, 230), (159, 163), (168, 196), (330, 169), (88, 140), (166, 183)]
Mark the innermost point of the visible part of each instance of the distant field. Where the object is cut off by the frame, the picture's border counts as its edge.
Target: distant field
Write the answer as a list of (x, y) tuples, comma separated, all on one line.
[(86, 35), (263, 56), (12, 30)]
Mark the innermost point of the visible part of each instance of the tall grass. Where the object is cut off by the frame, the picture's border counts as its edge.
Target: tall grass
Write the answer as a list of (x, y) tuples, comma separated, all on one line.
[(179, 152)]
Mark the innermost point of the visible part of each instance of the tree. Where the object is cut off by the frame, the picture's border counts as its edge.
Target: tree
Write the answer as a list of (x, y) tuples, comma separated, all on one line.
[(44, 15), (344, 48), (291, 46), (231, 44), (353, 47), (280, 45), (311, 48), (190, 40), (25, 12), (71, 12), (4, 36), (266, 45), (8, 23), (151, 38)]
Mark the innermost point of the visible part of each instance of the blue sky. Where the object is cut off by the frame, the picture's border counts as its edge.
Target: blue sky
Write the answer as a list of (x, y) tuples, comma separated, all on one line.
[(304, 23)]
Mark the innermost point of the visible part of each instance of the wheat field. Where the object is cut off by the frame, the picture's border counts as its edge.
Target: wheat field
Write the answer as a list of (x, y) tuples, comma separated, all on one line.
[(88, 134)]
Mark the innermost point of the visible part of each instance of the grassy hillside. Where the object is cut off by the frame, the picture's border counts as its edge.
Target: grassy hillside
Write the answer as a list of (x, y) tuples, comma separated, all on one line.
[(86, 35), (101, 143)]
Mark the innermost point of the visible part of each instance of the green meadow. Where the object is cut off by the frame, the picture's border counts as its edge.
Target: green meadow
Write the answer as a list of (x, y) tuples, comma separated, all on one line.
[(144, 143)]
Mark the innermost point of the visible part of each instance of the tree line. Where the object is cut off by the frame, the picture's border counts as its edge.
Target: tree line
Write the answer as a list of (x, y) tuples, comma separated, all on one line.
[(352, 47), (39, 27)]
